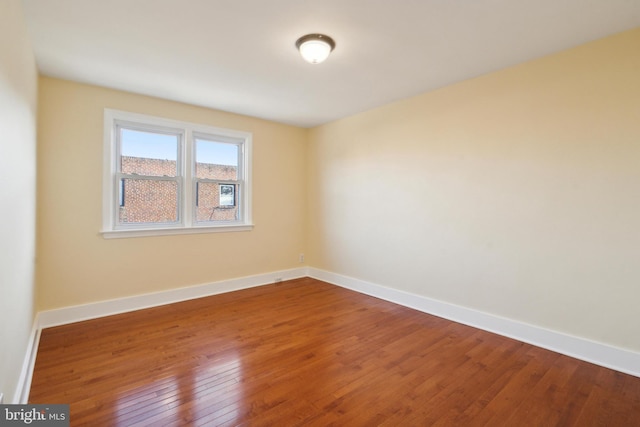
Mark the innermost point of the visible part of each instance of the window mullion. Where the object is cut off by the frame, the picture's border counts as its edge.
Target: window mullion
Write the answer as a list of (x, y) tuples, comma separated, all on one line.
[(188, 199)]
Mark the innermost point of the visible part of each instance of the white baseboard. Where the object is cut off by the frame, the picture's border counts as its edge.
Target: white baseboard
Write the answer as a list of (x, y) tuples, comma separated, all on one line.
[(622, 360), (21, 395), (77, 313), (600, 354), (66, 315)]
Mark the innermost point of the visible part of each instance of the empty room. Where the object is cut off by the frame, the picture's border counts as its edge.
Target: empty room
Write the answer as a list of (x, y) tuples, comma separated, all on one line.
[(296, 213)]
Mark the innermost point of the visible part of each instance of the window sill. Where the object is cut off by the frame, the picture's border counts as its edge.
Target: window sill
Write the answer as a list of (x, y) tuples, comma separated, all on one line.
[(149, 232)]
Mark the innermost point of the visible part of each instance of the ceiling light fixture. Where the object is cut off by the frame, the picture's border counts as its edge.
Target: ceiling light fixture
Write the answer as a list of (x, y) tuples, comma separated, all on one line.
[(315, 48)]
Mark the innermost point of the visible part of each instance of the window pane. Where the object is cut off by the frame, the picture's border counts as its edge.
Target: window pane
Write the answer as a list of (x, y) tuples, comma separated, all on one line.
[(148, 153), (148, 201), (216, 160), (216, 202)]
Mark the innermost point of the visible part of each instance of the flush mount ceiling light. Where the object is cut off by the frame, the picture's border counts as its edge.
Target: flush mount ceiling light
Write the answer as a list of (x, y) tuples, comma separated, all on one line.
[(315, 48)]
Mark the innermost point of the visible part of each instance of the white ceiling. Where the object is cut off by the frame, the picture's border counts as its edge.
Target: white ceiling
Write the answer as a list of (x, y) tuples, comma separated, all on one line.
[(239, 55)]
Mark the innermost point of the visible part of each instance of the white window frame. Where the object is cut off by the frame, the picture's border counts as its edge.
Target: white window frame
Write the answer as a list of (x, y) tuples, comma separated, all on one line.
[(185, 170)]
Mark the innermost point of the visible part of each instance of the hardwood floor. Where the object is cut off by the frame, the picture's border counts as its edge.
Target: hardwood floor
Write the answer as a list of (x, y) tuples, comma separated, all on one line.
[(308, 353)]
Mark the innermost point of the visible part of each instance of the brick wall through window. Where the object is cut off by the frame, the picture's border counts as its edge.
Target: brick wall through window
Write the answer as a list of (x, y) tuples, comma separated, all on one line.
[(155, 201)]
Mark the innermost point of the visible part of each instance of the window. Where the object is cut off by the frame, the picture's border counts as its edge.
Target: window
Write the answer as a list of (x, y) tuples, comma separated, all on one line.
[(168, 177)]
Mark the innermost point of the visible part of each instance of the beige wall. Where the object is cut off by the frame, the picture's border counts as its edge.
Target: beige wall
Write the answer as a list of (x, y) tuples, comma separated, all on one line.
[(18, 90), (516, 193), (76, 265)]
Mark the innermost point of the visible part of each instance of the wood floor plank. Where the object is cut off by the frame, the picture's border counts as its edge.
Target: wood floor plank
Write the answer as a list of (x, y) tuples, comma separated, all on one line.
[(305, 352)]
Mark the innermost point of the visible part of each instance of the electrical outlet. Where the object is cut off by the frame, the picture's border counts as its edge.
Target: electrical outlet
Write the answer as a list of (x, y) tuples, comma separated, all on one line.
[(301, 258)]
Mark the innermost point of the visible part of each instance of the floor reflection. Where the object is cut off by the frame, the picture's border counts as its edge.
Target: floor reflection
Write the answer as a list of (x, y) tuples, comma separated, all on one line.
[(210, 393)]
